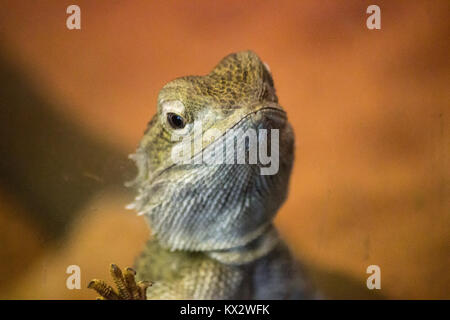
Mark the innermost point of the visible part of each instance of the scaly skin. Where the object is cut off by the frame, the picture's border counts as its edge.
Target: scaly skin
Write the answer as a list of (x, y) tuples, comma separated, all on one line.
[(212, 224)]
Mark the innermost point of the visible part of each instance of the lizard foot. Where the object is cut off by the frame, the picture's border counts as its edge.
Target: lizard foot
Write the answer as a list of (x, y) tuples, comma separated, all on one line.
[(127, 287)]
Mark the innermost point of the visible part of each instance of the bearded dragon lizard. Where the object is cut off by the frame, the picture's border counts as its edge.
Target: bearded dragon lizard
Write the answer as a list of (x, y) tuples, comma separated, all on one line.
[(213, 235)]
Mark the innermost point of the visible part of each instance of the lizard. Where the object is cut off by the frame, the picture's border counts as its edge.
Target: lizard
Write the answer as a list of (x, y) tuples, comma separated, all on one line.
[(212, 227)]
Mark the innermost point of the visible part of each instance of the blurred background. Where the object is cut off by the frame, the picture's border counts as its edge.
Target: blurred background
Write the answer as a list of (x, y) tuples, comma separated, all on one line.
[(369, 109)]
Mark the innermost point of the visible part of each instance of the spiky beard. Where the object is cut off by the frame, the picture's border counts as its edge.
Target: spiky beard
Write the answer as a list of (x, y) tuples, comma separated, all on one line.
[(201, 207)]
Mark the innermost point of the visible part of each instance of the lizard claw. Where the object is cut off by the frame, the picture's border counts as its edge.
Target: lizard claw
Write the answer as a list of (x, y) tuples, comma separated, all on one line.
[(127, 287)]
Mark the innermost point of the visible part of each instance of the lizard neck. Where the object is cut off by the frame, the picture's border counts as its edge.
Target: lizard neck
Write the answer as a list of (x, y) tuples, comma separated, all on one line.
[(249, 252)]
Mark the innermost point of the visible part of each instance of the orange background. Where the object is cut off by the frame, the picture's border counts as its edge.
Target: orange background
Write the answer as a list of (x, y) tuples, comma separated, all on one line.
[(369, 110)]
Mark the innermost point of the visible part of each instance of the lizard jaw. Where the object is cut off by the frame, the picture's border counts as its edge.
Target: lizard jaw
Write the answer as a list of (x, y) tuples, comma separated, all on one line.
[(207, 208)]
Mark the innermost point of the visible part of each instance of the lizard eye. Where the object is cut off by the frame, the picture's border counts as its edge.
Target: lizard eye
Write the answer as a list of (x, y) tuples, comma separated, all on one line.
[(176, 121)]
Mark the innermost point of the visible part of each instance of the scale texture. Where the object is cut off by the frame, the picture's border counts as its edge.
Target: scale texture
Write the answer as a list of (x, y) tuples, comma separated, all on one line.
[(213, 236)]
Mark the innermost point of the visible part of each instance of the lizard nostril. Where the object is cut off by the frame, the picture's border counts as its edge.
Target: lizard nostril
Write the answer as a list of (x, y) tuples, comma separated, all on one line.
[(270, 118)]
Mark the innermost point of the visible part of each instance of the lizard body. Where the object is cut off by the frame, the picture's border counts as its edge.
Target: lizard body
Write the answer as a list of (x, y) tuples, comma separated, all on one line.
[(195, 275), (213, 236)]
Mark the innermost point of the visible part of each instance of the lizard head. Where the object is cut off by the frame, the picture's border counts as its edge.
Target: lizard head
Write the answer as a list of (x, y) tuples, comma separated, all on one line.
[(194, 188)]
